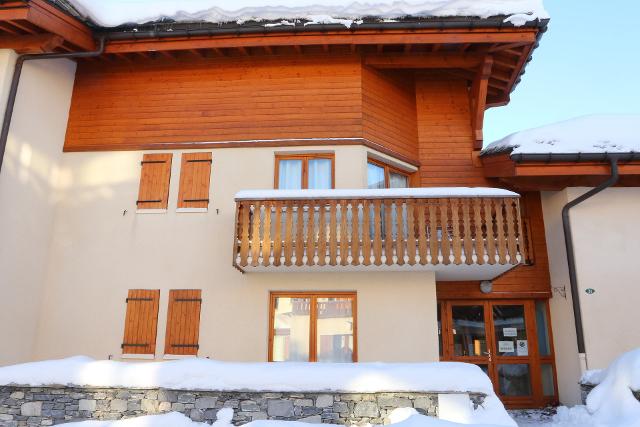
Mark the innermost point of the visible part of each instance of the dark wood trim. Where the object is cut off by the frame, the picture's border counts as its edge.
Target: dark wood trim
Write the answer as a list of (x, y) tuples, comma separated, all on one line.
[(313, 297)]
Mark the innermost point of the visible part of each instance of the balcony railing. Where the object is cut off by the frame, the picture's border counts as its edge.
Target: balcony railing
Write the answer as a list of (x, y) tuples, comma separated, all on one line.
[(398, 227)]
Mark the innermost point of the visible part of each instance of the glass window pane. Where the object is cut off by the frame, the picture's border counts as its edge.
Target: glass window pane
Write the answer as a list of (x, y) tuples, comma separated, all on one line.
[(510, 329), (291, 329), (469, 337), (320, 174), (548, 388), (542, 326), (514, 380), (398, 180), (335, 330), (375, 176), (290, 174)]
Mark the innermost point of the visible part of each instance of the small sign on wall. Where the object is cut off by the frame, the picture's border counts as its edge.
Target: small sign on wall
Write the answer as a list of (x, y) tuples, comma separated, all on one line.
[(506, 347), (510, 332), (522, 347)]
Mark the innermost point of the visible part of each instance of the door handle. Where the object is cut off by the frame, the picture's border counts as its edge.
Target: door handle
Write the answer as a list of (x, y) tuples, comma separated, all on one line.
[(488, 354)]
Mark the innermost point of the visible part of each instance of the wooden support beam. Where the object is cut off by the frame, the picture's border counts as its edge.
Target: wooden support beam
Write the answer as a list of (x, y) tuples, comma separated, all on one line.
[(309, 39), (38, 43), (52, 20), (426, 60), (7, 28), (478, 99), (268, 50), (243, 50), (501, 47), (24, 26)]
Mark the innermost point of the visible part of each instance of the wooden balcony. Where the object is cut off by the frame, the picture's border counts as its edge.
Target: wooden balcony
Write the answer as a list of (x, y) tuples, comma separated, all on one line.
[(460, 233)]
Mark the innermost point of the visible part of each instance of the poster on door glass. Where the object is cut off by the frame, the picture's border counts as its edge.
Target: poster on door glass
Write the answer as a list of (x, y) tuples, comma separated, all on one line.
[(522, 348), (505, 347)]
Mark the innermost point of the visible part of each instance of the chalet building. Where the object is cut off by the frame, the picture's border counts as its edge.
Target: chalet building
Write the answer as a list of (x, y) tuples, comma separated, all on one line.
[(255, 192)]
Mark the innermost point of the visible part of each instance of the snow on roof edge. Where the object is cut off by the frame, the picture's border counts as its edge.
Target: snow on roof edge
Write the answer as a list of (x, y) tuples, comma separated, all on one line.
[(420, 192)]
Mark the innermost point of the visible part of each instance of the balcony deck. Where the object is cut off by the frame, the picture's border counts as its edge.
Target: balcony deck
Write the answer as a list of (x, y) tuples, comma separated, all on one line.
[(459, 233)]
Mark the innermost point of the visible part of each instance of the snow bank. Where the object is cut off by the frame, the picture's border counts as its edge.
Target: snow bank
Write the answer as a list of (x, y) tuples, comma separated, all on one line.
[(175, 419), (424, 192), (205, 374), (587, 134), (116, 12)]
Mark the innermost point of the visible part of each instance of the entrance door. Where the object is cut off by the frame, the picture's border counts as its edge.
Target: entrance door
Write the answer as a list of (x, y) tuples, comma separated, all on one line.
[(501, 337)]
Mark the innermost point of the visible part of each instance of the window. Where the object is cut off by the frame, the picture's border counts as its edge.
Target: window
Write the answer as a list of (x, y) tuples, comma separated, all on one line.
[(380, 175), (154, 181), (195, 174), (183, 322), (314, 327), (304, 171), (141, 322)]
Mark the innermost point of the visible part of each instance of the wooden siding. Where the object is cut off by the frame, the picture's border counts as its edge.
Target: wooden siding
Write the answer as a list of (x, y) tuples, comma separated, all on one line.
[(389, 110), (141, 322), (146, 103), (195, 176), (183, 322)]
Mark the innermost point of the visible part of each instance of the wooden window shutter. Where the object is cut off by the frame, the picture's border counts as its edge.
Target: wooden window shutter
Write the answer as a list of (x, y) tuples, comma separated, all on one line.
[(154, 181), (195, 174), (141, 322), (183, 322)]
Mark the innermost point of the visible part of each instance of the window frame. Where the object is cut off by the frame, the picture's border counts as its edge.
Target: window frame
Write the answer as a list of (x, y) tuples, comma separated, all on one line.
[(313, 319), (305, 167), (388, 169)]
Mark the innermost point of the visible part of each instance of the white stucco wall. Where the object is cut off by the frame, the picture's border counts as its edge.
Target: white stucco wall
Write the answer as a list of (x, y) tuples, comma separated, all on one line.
[(98, 252), (27, 194), (606, 238)]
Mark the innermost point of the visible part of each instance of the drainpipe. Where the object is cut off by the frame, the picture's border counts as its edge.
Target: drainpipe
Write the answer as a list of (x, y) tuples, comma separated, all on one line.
[(571, 260), (15, 81)]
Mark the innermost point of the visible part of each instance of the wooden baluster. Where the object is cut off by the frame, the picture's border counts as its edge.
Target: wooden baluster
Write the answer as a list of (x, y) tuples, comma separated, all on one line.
[(288, 234), (411, 232), (366, 232), (322, 234), (457, 241), (245, 208), (388, 237), (277, 231), (255, 235), (355, 232), (333, 230), (344, 233), (511, 231), (300, 234), (479, 239), (502, 243), (422, 231), (377, 233), (468, 241), (266, 240), (444, 225), (311, 233), (433, 231), (400, 239), (491, 235)]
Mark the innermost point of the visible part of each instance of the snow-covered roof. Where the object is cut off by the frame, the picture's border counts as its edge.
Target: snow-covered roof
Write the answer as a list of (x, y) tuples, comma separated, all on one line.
[(370, 193), (113, 13), (594, 134)]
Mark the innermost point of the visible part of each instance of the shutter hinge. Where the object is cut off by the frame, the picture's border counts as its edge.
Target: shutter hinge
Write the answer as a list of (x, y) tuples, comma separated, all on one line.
[(195, 200), (138, 299), (199, 161), (147, 201), (188, 299), (152, 161), (126, 344), (197, 346)]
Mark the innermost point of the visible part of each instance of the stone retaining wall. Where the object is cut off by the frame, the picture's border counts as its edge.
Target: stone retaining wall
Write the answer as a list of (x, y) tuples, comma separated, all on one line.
[(35, 406), (585, 389)]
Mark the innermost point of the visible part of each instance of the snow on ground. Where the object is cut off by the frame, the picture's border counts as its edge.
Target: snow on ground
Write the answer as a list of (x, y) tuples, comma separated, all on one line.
[(402, 417), (425, 192), (116, 12), (587, 134)]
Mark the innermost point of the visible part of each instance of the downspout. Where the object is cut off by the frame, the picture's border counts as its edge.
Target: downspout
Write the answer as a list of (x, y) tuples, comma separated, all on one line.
[(15, 81), (571, 260)]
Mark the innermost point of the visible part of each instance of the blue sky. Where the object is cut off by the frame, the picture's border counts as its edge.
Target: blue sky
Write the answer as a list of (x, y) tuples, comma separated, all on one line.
[(588, 62)]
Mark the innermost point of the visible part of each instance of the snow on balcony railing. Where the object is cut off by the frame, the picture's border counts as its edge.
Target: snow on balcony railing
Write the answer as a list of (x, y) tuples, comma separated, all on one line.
[(365, 227)]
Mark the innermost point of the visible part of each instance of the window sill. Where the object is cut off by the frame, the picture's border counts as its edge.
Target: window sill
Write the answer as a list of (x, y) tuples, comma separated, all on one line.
[(138, 356), (151, 211), (192, 210), (179, 356)]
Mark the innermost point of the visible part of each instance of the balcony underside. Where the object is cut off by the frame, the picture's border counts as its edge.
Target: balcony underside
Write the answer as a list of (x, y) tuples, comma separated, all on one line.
[(476, 234)]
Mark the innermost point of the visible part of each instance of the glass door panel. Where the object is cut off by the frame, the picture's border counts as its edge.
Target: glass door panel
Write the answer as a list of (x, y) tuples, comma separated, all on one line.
[(510, 330), (514, 380), (468, 330)]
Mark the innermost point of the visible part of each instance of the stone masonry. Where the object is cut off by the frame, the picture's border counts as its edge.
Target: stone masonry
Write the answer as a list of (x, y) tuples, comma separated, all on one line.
[(45, 406)]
